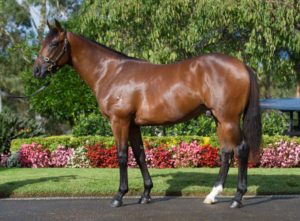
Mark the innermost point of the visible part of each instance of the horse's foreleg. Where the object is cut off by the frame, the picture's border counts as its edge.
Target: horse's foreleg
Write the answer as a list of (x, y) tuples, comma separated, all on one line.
[(242, 154), (219, 184), (136, 142), (120, 130)]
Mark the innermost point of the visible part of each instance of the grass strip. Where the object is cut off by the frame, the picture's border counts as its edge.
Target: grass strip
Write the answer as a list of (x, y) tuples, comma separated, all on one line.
[(23, 182)]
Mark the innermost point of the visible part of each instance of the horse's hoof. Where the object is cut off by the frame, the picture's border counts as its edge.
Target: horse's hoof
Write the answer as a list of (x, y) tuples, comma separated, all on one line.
[(116, 203), (209, 200), (235, 204), (145, 200)]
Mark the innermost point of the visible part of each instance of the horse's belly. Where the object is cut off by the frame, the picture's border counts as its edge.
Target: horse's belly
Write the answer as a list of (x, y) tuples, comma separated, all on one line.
[(168, 114)]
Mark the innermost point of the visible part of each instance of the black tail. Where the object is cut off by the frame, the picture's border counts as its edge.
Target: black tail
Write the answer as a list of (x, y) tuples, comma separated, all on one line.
[(252, 128)]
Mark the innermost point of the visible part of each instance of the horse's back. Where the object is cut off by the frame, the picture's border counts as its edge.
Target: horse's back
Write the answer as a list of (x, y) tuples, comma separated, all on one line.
[(181, 90)]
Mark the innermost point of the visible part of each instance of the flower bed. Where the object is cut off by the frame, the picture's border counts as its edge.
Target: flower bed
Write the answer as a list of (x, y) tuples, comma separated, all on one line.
[(98, 155), (35, 156), (281, 154), (169, 153), (184, 155)]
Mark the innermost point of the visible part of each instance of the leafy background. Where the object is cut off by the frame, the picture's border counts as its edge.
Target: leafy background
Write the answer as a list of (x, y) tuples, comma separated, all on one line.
[(263, 34)]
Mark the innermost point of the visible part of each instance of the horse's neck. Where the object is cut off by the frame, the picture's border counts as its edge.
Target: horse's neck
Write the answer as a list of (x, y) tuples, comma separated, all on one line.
[(89, 59)]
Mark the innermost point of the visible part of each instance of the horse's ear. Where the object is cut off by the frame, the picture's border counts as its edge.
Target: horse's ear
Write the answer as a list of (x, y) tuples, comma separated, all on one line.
[(58, 26), (48, 24)]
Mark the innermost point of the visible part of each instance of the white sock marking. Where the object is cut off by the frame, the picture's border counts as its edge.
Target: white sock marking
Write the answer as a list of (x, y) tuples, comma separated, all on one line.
[(211, 197)]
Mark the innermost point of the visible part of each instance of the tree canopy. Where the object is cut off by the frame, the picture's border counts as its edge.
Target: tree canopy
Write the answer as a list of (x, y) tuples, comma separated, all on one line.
[(263, 33)]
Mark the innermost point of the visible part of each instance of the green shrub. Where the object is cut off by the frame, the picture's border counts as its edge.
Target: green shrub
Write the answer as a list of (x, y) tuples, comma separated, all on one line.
[(92, 124), (201, 126), (95, 124), (13, 126), (51, 143), (267, 139), (274, 122)]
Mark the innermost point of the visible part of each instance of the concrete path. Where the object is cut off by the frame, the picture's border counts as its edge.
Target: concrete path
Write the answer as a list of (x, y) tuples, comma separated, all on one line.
[(273, 208)]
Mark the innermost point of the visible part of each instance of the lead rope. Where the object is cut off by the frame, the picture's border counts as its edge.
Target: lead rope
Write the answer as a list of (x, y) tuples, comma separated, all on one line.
[(32, 95)]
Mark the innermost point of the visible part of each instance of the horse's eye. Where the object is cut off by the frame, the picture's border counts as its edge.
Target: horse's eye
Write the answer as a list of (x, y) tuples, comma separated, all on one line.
[(53, 44)]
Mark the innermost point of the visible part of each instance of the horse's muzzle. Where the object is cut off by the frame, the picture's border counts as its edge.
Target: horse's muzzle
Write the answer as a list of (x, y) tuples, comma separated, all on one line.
[(40, 71)]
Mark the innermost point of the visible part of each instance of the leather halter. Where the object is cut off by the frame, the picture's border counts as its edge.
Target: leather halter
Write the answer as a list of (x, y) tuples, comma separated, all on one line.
[(53, 62)]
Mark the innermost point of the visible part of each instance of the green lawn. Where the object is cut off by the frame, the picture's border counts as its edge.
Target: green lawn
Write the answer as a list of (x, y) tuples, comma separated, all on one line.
[(23, 182)]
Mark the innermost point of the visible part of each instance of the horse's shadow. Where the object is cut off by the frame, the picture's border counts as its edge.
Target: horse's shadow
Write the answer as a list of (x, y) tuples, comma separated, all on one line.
[(180, 182), (7, 189)]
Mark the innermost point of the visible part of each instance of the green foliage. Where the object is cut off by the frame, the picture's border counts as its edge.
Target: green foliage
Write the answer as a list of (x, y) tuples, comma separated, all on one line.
[(200, 126), (13, 126), (95, 124), (66, 97), (274, 122), (69, 141), (92, 124), (267, 139), (261, 33), (257, 32)]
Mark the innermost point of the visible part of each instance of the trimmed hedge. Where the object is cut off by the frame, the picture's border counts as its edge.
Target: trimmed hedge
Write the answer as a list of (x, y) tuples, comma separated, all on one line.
[(74, 142), (69, 141)]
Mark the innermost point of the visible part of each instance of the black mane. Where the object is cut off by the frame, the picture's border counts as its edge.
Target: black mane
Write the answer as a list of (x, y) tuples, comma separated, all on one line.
[(113, 50)]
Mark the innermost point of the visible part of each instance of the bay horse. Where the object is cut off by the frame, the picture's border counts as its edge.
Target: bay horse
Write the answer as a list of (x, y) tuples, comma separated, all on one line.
[(133, 92)]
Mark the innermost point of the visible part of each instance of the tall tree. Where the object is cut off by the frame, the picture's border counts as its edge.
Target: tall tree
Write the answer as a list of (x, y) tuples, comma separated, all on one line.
[(13, 23), (260, 32), (263, 33), (18, 31)]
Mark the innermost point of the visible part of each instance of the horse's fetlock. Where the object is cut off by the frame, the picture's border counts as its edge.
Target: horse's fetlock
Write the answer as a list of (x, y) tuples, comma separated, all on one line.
[(123, 190), (148, 184)]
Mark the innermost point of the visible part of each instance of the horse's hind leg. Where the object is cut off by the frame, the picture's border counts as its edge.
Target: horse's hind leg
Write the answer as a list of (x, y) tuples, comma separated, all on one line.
[(242, 152), (219, 184), (229, 137), (136, 142)]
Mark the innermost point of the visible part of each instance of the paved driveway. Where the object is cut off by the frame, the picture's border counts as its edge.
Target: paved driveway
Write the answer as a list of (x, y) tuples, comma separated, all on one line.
[(273, 208)]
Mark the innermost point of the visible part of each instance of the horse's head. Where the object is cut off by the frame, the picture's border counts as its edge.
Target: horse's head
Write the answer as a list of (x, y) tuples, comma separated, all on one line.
[(54, 53)]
